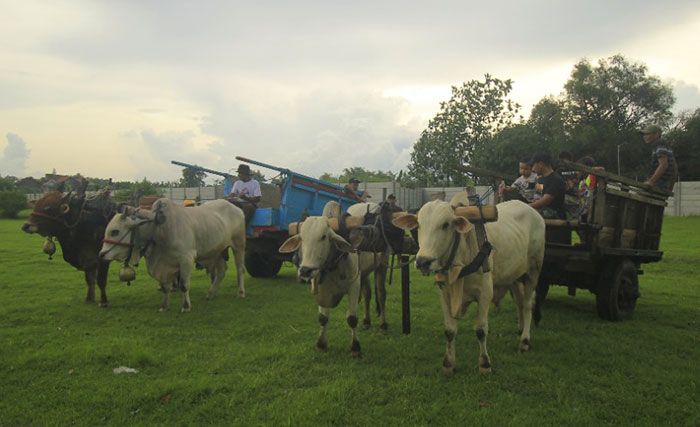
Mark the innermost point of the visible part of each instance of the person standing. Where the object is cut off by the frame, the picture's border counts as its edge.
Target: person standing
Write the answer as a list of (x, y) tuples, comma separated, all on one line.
[(664, 168)]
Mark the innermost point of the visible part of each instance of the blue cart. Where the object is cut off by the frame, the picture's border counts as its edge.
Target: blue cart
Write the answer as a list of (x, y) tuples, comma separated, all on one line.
[(294, 197)]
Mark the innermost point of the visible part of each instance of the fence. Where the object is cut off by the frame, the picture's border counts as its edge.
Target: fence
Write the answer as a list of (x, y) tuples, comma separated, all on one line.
[(686, 200)]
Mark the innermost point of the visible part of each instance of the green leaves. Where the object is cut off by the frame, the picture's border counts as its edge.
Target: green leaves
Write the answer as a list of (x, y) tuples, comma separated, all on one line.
[(476, 112)]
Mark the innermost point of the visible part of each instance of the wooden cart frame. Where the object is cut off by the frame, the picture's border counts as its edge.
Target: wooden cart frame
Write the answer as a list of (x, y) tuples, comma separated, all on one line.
[(620, 231)]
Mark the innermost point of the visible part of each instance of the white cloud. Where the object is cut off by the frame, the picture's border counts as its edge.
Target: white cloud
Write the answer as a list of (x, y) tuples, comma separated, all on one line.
[(14, 157), (121, 88)]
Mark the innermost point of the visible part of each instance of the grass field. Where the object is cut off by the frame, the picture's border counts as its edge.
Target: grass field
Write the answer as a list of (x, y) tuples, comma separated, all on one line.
[(252, 361)]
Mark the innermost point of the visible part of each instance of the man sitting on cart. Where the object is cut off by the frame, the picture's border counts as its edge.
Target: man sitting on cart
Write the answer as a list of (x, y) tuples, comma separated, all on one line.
[(352, 190), (551, 186), (246, 192)]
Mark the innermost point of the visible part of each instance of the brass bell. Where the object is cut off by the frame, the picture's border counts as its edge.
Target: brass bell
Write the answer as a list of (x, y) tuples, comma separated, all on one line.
[(49, 247), (127, 274)]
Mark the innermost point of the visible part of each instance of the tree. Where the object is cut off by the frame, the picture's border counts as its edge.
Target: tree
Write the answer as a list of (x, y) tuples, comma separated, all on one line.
[(364, 175), (11, 202), (685, 140), (605, 105), (192, 177), (503, 152), (476, 112), (8, 183)]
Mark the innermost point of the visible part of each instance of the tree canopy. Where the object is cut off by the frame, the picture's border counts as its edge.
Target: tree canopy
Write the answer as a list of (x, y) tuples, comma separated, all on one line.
[(476, 112), (599, 113)]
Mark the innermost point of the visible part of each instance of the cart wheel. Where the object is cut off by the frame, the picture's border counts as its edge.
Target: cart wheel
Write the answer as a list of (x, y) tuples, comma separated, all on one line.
[(261, 265), (618, 290)]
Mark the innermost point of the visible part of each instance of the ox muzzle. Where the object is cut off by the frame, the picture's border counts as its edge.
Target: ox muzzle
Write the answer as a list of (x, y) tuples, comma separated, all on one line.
[(426, 265), (307, 273)]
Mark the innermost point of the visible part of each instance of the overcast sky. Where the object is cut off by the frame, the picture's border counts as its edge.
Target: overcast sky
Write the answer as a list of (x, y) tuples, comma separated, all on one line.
[(120, 88)]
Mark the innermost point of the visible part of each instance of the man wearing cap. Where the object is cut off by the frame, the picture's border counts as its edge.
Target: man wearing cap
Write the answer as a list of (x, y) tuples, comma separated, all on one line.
[(246, 192), (391, 201), (352, 190), (552, 188), (664, 168)]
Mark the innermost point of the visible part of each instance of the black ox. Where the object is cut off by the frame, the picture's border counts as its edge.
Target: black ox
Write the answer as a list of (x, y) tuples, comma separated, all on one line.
[(78, 223)]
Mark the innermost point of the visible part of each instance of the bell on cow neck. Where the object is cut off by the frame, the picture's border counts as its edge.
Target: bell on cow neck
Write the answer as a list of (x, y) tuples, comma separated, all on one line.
[(127, 274), (49, 247)]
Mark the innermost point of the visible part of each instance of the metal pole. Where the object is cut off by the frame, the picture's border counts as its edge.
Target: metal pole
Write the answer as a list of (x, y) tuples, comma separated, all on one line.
[(618, 159), (405, 296)]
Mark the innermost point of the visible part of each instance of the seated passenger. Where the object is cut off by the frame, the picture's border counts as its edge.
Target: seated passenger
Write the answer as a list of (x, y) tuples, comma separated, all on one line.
[(246, 192), (552, 188), (524, 186), (352, 190), (570, 178)]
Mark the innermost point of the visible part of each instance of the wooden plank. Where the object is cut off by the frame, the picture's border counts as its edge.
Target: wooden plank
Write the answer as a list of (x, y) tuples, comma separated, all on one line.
[(488, 173), (613, 177), (635, 196)]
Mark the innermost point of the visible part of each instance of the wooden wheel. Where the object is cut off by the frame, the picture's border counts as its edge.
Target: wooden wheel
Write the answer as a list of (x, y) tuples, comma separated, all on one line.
[(618, 290)]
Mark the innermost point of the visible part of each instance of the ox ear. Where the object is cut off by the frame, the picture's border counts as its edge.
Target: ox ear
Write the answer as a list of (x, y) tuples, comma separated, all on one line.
[(291, 244), (462, 225), (341, 244), (406, 222)]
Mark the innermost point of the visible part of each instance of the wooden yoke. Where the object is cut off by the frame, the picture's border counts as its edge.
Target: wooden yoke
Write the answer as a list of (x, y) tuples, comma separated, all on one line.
[(472, 213)]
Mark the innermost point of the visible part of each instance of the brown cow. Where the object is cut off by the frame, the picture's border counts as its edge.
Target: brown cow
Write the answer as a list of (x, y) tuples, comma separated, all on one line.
[(79, 225)]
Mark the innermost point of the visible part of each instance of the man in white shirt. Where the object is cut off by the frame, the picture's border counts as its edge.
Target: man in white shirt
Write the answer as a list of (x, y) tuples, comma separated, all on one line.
[(246, 192)]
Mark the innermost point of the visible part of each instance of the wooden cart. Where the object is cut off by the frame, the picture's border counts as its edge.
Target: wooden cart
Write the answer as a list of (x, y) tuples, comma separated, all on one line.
[(619, 232)]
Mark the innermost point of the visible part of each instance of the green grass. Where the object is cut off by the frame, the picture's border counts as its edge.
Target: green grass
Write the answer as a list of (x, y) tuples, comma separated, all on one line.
[(252, 361)]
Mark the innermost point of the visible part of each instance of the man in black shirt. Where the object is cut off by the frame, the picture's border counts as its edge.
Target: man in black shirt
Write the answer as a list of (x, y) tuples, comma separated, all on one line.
[(551, 204)]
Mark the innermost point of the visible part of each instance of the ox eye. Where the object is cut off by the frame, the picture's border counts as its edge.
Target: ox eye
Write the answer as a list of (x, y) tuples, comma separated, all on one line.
[(445, 225), (114, 233), (323, 237)]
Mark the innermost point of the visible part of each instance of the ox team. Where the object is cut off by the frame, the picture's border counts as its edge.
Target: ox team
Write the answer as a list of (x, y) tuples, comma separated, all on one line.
[(474, 258)]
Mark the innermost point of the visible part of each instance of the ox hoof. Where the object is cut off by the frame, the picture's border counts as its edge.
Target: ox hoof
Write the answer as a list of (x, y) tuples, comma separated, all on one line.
[(484, 370), (185, 309), (355, 349), (384, 326), (89, 301), (484, 365), (366, 324), (321, 346), (104, 304), (448, 366), (241, 294), (525, 345)]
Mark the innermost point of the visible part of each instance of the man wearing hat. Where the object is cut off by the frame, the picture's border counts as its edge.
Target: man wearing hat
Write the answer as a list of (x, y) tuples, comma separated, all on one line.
[(352, 190), (246, 192), (664, 168)]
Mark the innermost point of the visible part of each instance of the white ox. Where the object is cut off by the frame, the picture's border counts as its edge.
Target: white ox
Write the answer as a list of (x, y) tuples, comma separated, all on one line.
[(329, 263), (515, 263), (172, 238)]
